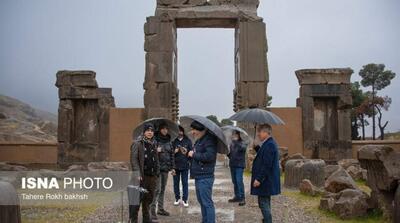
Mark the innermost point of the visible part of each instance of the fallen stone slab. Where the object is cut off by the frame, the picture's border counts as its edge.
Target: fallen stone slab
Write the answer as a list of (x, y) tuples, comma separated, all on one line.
[(339, 180), (350, 204), (383, 175), (330, 169), (108, 166), (307, 188)]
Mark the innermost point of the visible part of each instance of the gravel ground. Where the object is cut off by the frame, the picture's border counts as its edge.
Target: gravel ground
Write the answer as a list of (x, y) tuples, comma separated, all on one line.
[(284, 209)]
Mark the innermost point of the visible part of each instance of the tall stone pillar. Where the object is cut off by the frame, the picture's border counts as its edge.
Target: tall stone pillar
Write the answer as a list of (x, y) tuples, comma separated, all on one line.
[(83, 118), (251, 68), (161, 91), (325, 99)]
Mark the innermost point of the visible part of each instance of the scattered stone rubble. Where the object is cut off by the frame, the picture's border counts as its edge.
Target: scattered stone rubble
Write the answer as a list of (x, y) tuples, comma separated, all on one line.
[(383, 169)]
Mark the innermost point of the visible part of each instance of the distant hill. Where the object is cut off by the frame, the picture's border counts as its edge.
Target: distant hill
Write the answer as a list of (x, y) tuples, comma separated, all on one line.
[(19, 122)]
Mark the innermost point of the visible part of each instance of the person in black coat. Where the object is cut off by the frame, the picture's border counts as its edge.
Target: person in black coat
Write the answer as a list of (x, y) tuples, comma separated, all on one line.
[(265, 175), (237, 163), (166, 157), (204, 157), (145, 167), (182, 145)]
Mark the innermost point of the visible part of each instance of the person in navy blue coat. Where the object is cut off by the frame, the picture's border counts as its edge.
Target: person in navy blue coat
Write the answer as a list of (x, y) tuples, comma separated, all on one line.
[(265, 175), (204, 157)]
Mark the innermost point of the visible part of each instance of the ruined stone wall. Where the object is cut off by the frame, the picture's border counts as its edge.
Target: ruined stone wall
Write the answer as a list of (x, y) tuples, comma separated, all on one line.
[(290, 135), (83, 118), (161, 97), (325, 99), (28, 153)]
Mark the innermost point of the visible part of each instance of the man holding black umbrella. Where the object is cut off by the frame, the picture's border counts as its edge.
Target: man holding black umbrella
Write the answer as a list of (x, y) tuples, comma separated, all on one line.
[(204, 156)]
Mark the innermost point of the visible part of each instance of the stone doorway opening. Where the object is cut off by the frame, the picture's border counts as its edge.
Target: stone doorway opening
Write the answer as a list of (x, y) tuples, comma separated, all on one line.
[(161, 98), (206, 71)]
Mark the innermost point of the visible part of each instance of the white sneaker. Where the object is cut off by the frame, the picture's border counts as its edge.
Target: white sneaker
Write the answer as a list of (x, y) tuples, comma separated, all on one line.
[(185, 204), (176, 202)]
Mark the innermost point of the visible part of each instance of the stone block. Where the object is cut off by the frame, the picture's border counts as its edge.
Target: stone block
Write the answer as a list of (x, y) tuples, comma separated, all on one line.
[(197, 2), (251, 94), (84, 78), (160, 67), (252, 52), (339, 180), (351, 204), (307, 188), (65, 92), (160, 95), (65, 120), (330, 169), (153, 112), (164, 40), (382, 164), (171, 2), (297, 170), (152, 25), (324, 76)]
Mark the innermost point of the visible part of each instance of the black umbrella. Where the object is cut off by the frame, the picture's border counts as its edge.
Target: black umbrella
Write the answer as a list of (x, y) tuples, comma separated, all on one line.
[(173, 128), (228, 129), (257, 116), (211, 126)]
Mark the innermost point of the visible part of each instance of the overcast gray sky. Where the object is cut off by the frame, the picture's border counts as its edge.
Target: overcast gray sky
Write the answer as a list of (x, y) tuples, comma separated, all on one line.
[(39, 37)]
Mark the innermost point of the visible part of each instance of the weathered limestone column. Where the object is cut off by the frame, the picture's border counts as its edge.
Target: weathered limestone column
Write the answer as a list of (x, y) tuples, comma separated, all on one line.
[(161, 92), (325, 99), (251, 68), (83, 118)]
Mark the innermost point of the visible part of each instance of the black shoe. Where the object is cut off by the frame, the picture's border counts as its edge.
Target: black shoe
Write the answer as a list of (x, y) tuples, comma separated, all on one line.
[(150, 221), (153, 215), (242, 203), (233, 200), (163, 212)]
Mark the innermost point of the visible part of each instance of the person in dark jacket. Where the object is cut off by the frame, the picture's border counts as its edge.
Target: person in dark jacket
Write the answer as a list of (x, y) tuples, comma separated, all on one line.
[(204, 156), (237, 163), (166, 156), (265, 175), (182, 145), (145, 164)]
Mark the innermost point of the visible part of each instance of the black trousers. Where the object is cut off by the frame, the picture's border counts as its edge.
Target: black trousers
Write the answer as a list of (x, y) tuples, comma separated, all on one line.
[(150, 184)]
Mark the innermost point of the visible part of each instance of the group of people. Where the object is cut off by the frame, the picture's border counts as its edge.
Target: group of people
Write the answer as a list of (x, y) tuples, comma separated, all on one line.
[(155, 155)]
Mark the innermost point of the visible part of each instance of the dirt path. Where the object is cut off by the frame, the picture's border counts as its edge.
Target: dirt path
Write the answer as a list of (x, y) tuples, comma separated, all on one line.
[(284, 209)]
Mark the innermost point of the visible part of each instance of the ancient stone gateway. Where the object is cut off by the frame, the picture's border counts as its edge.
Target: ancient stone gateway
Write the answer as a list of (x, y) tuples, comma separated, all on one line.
[(161, 97)]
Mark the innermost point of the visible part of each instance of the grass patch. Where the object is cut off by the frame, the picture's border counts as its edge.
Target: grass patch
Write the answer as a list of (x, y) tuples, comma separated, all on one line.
[(63, 211), (311, 205), (56, 213), (362, 184)]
